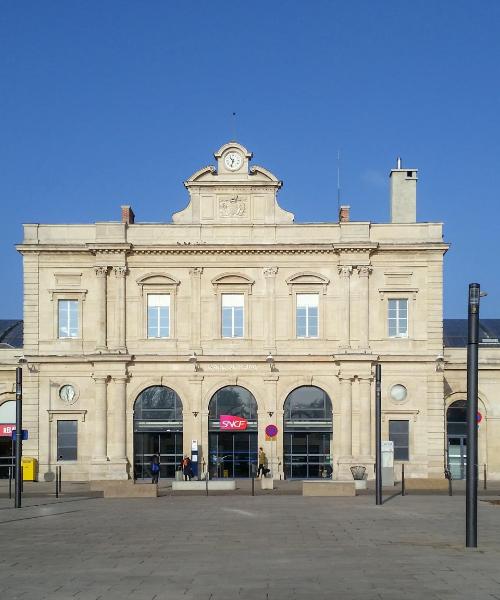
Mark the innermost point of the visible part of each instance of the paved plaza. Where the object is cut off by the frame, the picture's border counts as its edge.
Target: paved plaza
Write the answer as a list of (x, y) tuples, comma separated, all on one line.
[(271, 546)]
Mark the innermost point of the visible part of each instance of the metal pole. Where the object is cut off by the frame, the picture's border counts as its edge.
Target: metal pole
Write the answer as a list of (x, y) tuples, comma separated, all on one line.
[(403, 490), (60, 479), (10, 482), (378, 435), (485, 484), (206, 482), (57, 482), (253, 485), (450, 486), (19, 434), (472, 374)]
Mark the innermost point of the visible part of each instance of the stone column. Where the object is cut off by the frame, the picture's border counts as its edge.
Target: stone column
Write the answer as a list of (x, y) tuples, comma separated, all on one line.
[(365, 406), (196, 273), (364, 306), (117, 438), (101, 337), (345, 277), (120, 274), (270, 318), (346, 416), (99, 452)]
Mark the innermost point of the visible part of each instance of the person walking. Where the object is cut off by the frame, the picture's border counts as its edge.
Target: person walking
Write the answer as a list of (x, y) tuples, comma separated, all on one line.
[(187, 468), (155, 468), (262, 463)]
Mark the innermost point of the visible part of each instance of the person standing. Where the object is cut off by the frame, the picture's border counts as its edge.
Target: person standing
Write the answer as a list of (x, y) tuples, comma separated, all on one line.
[(186, 468), (155, 468), (262, 463)]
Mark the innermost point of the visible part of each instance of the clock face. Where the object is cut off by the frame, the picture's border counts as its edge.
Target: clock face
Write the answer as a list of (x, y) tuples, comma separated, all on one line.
[(233, 161), (67, 394)]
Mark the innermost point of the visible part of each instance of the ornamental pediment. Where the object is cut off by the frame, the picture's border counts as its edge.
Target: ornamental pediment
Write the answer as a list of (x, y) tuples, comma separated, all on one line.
[(157, 279), (308, 278), (233, 193)]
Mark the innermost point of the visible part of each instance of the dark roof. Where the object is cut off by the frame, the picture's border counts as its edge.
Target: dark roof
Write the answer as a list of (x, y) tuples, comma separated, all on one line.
[(455, 333), (11, 333)]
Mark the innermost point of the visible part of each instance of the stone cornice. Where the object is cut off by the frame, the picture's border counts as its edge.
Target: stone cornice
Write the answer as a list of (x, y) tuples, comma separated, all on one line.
[(201, 248)]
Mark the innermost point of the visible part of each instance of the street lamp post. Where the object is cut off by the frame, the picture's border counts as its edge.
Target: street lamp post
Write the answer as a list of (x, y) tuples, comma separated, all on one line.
[(19, 434), (472, 376), (378, 434)]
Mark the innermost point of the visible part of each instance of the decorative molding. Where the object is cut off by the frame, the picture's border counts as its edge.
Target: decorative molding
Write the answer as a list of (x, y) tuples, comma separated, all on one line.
[(270, 271), (233, 206), (120, 272), (410, 413), (101, 271), (67, 412), (345, 271), (196, 271), (364, 270)]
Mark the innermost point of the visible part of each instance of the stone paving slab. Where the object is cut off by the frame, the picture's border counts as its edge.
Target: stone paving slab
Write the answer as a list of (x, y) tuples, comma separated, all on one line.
[(243, 547)]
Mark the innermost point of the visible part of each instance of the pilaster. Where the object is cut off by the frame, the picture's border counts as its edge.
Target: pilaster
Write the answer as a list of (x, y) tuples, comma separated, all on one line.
[(195, 274), (101, 273), (270, 313)]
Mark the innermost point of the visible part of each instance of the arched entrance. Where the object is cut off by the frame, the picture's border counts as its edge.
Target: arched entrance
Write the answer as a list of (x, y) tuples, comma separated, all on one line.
[(157, 430), (456, 434), (307, 433), (232, 432)]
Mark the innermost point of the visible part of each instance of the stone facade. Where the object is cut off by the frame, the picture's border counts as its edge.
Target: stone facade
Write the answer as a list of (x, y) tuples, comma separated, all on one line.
[(233, 238)]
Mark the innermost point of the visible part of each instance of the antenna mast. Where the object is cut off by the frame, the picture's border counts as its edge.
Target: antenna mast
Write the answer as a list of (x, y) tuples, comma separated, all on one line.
[(338, 181)]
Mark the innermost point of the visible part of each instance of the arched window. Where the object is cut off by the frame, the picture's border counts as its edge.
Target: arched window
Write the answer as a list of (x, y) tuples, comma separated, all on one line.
[(158, 403), (232, 450), (233, 400), (307, 433), (308, 404), (157, 431)]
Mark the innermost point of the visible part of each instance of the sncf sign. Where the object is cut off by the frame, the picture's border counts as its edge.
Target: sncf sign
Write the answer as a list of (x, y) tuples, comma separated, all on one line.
[(232, 423), (6, 430)]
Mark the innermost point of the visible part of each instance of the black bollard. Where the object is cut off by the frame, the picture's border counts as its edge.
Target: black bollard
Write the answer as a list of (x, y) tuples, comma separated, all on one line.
[(403, 491), (206, 482), (57, 483), (485, 485), (10, 482), (60, 479)]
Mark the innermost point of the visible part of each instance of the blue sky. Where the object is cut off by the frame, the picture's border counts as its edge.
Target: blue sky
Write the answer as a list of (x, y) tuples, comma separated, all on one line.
[(118, 102)]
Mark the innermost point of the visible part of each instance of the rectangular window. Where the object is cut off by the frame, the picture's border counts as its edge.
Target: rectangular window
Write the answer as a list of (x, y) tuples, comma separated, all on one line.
[(307, 315), (158, 315), (399, 434), (398, 317), (67, 436), (232, 315), (68, 318)]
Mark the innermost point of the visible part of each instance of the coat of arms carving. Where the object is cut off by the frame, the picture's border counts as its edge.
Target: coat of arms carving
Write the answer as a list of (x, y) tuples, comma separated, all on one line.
[(232, 207)]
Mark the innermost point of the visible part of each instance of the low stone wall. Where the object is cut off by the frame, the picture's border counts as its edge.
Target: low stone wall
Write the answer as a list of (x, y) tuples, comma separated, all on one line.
[(424, 483), (328, 488), (193, 486), (125, 489)]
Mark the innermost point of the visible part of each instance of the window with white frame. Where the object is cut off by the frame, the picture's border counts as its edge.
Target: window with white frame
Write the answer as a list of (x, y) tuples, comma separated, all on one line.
[(158, 315), (398, 317), (68, 315), (233, 307), (307, 315)]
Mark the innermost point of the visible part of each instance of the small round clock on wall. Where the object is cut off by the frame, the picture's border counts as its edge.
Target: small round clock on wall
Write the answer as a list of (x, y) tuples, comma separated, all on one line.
[(68, 394), (233, 161)]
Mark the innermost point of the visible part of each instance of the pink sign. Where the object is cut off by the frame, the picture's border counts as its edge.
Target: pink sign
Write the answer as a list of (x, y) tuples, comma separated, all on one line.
[(6, 430), (232, 423)]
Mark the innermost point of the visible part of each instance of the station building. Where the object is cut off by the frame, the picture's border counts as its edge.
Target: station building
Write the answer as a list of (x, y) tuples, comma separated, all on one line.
[(233, 327)]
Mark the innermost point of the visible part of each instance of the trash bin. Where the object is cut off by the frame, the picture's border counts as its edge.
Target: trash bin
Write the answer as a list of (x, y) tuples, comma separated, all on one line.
[(30, 468)]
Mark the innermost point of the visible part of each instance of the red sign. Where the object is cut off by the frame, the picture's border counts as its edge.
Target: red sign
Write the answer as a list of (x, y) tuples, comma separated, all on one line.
[(6, 430), (232, 423), (479, 417)]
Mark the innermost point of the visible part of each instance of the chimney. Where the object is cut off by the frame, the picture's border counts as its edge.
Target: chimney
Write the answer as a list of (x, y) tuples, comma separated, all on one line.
[(344, 213), (128, 216), (403, 194)]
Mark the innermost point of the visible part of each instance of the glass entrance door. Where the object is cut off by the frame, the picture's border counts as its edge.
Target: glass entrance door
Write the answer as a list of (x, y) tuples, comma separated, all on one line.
[(232, 454), (168, 446), (307, 455), (457, 456)]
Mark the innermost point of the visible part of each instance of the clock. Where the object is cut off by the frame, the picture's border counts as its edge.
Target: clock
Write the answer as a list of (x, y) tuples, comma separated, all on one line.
[(233, 160), (67, 393)]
